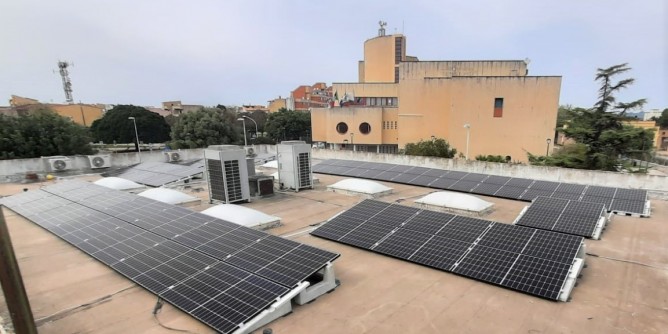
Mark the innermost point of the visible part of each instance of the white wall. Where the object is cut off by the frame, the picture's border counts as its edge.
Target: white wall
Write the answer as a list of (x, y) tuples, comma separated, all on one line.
[(15, 170), (653, 183)]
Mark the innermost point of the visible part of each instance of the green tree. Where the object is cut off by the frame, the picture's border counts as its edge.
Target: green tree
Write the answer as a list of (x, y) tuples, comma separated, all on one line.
[(207, 126), (115, 126), (662, 121), (600, 130), (431, 148), (288, 125), (42, 133)]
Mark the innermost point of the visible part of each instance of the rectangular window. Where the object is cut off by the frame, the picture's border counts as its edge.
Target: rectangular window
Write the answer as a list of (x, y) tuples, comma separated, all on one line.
[(498, 107)]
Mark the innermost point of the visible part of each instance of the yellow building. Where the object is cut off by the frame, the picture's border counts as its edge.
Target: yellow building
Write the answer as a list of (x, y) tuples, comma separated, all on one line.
[(400, 100), (650, 125), (82, 114), (276, 104)]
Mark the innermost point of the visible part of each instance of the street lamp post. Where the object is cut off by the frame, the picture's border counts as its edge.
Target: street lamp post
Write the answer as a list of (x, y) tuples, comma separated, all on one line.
[(256, 133), (548, 141), (134, 121), (244, 122), (468, 136), (351, 140)]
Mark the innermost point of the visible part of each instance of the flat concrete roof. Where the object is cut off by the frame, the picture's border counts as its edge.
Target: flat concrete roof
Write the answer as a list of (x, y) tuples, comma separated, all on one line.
[(378, 294)]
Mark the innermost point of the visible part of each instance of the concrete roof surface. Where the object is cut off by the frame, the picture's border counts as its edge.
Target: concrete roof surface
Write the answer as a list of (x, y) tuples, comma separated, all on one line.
[(378, 294)]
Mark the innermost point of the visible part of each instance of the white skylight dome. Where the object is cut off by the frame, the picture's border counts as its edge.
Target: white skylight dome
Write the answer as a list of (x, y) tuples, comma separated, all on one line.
[(244, 216), (118, 183), (370, 189), (454, 201), (169, 196), (271, 164)]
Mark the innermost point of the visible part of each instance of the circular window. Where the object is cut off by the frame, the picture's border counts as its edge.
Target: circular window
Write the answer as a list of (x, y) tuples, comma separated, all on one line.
[(342, 128), (365, 128)]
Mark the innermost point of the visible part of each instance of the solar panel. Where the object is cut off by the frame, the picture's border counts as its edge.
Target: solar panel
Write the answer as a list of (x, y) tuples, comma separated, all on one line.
[(181, 270), (157, 174), (442, 183), (486, 264), (494, 179), (475, 248), (571, 188), (519, 182), (488, 189), (537, 276), (492, 185), (463, 186), (627, 206), (600, 191), (572, 217), (510, 192), (638, 195)]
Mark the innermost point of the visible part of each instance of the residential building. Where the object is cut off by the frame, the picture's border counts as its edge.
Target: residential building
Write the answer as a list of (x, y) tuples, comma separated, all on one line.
[(648, 115), (83, 114), (249, 108), (276, 104), (316, 96), (479, 107), (177, 108)]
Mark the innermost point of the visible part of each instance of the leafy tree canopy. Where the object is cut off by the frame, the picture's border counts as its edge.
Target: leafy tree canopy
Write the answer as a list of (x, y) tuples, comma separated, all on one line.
[(42, 133), (663, 120), (207, 126), (600, 131), (431, 148), (288, 125), (115, 126)]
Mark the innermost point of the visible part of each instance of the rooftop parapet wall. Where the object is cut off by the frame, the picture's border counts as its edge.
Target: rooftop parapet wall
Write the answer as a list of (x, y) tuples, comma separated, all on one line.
[(656, 185)]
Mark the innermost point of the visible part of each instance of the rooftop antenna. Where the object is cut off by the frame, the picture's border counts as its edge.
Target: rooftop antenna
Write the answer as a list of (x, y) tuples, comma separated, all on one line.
[(67, 84), (381, 30)]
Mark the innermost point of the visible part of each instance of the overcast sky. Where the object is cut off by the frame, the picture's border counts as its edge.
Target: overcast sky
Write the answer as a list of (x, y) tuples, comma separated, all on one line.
[(248, 52)]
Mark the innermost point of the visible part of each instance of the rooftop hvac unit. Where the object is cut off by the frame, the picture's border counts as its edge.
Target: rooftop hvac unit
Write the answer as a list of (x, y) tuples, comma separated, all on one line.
[(227, 174), (249, 151), (173, 156), (99, 161), (59, 163), (294, 165), (261, 185)]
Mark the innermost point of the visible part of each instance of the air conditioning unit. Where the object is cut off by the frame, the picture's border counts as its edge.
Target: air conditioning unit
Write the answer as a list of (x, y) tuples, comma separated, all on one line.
[(249, 151), (227, 174), (261, 185), (294, 165), (173, 156), (99, 161), (59, 163)]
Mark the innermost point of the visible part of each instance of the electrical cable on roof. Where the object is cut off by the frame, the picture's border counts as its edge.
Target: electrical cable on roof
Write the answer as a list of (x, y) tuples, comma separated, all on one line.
[(63, 313), (627, 261), (156, 310)]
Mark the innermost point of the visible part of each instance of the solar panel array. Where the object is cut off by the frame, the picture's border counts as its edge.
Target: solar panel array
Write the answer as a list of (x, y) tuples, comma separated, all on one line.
[(533, 261), (157, 174), (221, 273), (562, 215), (618, 200)]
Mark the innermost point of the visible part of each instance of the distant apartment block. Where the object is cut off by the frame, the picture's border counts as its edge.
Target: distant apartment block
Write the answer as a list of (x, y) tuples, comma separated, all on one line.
[(177, 108)]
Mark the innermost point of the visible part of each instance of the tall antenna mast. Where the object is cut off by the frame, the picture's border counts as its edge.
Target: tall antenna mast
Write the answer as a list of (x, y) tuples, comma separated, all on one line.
[(381, 30), (67, 84)]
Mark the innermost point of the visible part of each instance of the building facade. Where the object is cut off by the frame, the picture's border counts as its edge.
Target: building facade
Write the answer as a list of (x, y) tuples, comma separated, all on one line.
[(82, 114), (400, 100), (276, 104)]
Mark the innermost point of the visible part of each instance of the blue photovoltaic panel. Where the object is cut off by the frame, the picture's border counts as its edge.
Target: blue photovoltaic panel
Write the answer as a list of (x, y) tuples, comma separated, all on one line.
[(475, 248), (120, 233), (492, 185)]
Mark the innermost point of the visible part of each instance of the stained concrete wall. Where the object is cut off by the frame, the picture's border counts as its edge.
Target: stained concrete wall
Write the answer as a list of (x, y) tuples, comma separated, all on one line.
[(15, 170), (654, 183)]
